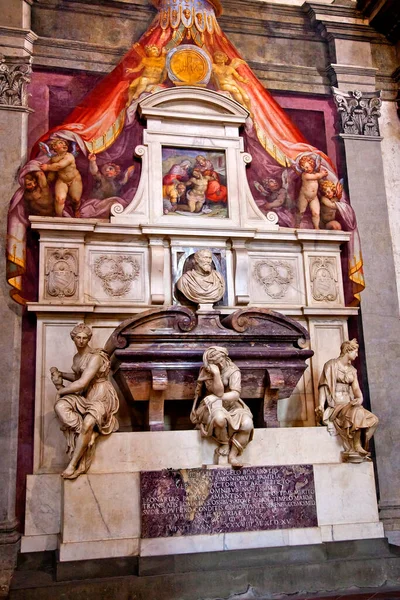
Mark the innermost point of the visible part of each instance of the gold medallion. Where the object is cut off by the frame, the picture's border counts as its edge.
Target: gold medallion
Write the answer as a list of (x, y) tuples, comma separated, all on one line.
[(189, 66)]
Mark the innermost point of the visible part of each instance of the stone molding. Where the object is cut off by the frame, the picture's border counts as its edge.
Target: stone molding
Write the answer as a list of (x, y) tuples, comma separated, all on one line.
[(359, 112), (15, 74)]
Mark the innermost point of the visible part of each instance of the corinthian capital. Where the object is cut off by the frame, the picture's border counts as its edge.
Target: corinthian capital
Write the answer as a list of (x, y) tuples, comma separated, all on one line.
[(15, 74), (359, 111)]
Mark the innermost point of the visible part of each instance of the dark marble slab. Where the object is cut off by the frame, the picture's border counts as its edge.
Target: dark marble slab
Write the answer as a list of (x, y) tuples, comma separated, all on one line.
[(207, 501)]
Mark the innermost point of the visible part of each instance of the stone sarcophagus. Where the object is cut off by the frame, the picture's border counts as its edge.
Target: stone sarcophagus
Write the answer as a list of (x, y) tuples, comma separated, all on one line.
[(157, 355)]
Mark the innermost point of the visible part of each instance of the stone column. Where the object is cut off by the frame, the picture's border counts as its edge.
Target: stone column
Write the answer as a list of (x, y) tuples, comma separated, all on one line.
[(359, 114), (16, 41)]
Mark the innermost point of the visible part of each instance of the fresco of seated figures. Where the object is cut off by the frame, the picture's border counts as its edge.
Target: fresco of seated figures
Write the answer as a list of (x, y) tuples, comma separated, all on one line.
[(82, 167), (193, 183)]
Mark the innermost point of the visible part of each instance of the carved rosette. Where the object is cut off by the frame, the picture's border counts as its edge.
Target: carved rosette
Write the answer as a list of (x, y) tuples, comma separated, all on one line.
[(61, 273), (116, 273), (324, 279), (15, 74), (359, 112), (274, 276)]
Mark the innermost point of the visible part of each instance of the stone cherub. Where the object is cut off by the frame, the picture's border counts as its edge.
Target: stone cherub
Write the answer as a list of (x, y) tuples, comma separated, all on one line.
[(222, 414), (340, 405), (87, 406), (202, 284)]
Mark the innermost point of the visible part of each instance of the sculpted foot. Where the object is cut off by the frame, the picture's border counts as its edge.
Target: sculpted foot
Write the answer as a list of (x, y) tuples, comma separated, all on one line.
[(236, 462), (69, 472)]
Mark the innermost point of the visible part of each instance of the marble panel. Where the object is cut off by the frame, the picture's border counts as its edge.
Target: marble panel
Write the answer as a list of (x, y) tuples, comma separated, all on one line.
[(326, 335), (186, 449), (256, 539), (345, 493), (101, 507), (304, 536), (182, 545), (210, 501), (352, 531), (99, 549), (115, 273), (39, 543), (276, 279), (43, 505)]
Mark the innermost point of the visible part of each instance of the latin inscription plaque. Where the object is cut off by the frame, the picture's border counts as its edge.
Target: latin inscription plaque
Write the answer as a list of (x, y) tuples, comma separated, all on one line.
[(201, 501)]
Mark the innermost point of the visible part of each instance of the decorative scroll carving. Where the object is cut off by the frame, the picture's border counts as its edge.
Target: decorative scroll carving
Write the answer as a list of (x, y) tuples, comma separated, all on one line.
[(323, 279), (116, 273), (14, 77), (275, 276), (359, 111), (62, 273)]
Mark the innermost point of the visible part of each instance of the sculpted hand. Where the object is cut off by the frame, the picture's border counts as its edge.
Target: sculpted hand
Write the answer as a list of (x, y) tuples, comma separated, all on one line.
[(213, 369), (319, 413), (209, 400)]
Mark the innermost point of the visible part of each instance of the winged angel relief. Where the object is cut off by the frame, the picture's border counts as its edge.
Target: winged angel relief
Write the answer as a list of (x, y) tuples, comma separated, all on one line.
[(92, 148)]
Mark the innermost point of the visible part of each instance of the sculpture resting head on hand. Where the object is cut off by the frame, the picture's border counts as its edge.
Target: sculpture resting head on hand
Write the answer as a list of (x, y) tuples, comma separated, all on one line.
[(202, 284), (221, 413)]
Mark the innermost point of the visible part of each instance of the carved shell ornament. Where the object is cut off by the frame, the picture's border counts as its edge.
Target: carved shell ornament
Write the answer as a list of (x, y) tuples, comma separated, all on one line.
[(116, 273), (274, 276)]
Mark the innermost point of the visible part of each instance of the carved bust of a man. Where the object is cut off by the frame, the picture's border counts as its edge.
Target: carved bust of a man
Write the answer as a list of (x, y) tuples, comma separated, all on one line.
[(202, 284)]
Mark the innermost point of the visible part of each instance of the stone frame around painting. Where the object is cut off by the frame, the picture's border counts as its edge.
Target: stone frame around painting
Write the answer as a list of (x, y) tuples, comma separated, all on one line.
[(202, 121), (228, 150)]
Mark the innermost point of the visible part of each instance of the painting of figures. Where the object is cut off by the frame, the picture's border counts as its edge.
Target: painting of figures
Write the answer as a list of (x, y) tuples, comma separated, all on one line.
[(194, 182)]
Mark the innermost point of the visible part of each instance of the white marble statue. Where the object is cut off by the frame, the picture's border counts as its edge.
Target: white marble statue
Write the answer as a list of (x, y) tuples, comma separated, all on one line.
[(202, 284), (86, 406), (340, 405), (222, 414)]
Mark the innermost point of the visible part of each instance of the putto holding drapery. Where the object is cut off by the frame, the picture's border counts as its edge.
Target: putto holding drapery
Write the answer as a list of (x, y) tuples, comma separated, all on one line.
[(184, 46)]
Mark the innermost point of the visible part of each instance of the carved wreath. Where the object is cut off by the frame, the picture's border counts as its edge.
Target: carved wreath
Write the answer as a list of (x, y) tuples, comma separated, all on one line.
[(116, 273), (274, 274)]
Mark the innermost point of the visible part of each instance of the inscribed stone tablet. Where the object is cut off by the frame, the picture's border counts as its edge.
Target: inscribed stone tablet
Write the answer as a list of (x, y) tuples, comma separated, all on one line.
[(206, 501)]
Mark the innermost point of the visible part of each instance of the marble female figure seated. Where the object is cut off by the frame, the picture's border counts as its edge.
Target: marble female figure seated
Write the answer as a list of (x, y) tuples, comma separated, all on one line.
[(87, 406), (222, 414), (340, 405)]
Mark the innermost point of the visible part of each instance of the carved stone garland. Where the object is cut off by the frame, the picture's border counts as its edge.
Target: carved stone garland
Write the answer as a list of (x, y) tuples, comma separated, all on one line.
[(274, 276), (359, 112), (116, 273)]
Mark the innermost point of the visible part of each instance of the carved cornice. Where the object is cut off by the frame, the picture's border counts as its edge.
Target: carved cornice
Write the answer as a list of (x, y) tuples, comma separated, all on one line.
[(359, 112), (15, 74), (341, 22)]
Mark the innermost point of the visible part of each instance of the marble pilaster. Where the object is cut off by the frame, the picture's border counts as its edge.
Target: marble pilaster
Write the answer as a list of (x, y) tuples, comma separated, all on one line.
[(15, 43), (380, 312)]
